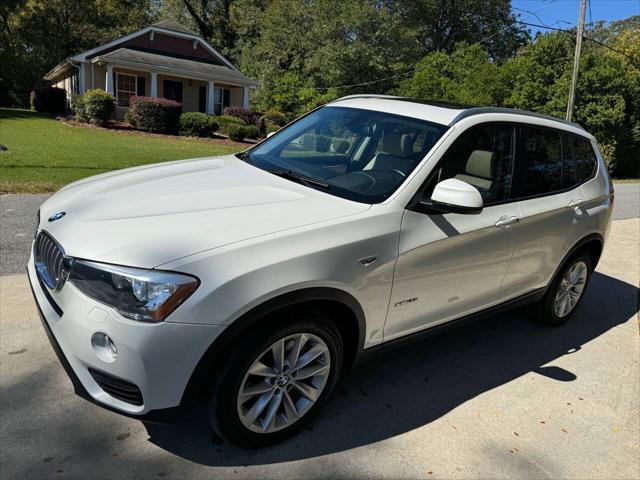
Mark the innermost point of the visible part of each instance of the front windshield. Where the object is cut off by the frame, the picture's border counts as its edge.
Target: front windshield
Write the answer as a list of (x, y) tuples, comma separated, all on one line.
[(361, 155)]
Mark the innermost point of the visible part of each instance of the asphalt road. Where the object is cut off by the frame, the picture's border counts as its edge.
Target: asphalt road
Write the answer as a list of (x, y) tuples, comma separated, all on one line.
[(503, 398), (18, 212)]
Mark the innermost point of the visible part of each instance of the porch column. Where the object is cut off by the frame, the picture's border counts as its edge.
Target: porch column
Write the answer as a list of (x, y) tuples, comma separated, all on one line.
[(81, 77), (210, 90), (245, 97), (109, 80), (154, 84)]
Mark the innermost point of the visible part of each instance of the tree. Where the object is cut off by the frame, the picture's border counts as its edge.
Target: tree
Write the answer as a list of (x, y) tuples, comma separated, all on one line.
[(465, 76), (439, 25), (38, 34)]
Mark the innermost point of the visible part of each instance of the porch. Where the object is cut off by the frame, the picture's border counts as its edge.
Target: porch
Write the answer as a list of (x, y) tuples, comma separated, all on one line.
[(200, 87)]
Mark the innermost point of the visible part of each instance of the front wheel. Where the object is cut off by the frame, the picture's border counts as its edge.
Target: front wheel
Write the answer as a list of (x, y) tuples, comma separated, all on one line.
[(566, 291), (277, 379)]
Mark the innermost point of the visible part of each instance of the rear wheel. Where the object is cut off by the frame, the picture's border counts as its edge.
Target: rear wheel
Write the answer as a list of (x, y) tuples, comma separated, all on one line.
[(563, 296), (277, 379)]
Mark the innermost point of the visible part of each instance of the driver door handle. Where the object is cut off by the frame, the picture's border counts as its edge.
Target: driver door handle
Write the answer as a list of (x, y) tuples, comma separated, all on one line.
[(576, 203), (505, 222)]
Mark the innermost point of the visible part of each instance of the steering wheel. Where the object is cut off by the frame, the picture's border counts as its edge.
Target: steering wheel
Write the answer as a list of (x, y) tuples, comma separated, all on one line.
[(399, 172), (370, 177)]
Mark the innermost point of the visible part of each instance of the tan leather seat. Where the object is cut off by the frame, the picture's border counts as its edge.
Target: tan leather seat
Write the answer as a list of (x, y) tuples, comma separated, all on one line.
[(395, 149), (480, 170)]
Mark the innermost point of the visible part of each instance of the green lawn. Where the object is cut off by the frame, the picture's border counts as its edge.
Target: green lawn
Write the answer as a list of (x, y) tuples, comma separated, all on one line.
[(45, 154)]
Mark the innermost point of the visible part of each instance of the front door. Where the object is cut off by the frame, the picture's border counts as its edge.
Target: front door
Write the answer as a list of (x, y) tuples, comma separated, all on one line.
[(202, 99), (450, 265), (172, 90)]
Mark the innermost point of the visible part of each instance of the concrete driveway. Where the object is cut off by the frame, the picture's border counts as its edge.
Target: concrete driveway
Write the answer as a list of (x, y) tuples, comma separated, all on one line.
[(503, 398)]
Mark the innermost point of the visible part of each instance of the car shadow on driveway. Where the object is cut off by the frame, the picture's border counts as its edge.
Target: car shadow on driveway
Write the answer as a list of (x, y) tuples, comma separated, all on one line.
[(414, 386)]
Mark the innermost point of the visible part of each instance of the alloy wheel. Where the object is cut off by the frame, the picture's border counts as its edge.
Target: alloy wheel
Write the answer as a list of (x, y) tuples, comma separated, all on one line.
[(283, 383), (570, 289)]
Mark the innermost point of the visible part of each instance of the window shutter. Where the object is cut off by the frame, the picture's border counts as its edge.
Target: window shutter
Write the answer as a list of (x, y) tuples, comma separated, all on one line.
[(226, 97), (140, 87)]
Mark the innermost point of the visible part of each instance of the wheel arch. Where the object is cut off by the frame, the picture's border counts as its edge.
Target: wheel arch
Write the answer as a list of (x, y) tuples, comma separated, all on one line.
[(352, 327), (591, 244)]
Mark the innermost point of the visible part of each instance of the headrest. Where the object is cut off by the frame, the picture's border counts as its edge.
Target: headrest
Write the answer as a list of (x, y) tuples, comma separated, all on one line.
[(391, 144), (481, 164), (406, 144)]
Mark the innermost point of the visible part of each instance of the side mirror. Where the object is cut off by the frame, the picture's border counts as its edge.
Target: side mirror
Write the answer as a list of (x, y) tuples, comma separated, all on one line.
[(453, 196), (270, 134)]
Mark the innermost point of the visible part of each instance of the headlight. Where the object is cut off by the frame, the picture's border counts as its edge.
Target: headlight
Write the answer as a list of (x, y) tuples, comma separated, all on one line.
[(144, 295)]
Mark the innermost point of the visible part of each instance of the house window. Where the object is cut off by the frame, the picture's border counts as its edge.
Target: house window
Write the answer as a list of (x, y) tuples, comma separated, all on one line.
[(125, 89), (221, 100)]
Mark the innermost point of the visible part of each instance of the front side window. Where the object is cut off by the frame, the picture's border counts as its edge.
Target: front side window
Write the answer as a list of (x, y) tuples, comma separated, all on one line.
[(362, 155), (125, 89), (483, 157)]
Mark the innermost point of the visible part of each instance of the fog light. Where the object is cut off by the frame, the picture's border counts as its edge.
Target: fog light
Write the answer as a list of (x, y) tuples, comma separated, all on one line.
[(104, 347)]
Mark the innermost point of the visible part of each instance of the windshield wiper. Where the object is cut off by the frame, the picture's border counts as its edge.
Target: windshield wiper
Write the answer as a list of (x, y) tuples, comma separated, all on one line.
[(298, 177)]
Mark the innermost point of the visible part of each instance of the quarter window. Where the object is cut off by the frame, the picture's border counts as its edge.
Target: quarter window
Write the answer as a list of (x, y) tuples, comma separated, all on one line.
[(585, 158), (125, 89), (483, 157)]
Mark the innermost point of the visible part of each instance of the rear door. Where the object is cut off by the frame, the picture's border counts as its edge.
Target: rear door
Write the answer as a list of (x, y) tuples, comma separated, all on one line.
[(547, 183), (453, 264)]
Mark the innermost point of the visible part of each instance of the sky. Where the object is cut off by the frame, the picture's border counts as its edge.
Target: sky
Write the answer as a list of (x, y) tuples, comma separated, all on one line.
[(564, 13)]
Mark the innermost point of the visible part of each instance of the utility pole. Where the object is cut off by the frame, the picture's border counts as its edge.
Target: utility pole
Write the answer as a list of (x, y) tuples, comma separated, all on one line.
[(576, 61)]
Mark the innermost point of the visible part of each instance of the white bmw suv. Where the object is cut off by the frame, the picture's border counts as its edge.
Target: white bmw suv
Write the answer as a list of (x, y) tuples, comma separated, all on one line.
[(251, 281)]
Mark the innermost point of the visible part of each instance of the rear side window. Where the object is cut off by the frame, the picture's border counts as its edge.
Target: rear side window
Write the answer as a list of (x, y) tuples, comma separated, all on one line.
[(540, 161), (585, 158)]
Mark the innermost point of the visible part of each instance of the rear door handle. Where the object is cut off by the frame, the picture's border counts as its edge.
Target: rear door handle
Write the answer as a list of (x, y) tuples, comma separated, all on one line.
[(505, 222), (576, 203)]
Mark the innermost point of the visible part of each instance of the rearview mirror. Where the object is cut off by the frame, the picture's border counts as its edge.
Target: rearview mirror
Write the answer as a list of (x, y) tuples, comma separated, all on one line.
[(453, 196)]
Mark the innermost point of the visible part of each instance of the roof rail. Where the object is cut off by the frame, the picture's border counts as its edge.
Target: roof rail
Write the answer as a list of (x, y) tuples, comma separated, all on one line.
[(434, 103), (480, 110)]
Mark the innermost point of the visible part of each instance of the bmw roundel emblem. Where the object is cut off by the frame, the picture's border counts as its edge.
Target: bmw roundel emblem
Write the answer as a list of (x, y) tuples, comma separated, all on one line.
[(57, 216)]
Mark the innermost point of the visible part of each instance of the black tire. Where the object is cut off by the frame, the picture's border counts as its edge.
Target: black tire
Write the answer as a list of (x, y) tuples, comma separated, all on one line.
[(545, 311), (222, 406)]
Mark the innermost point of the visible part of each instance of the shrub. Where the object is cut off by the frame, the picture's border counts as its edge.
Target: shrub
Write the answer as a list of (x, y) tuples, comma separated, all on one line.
[(247, 115), (76, 104), (237, 132), (95, 106), (153, 114), (49, 99), (272, 128), (197, 124), (226, 121), (252, 131), (275, 117)]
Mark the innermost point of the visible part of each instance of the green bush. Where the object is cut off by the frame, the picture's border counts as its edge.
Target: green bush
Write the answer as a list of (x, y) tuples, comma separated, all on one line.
[(272, 128), (49, 99), (252, 131), (196, 124), (95, 106), (275, 117), (237, 132), (226, 121), (153, 114)]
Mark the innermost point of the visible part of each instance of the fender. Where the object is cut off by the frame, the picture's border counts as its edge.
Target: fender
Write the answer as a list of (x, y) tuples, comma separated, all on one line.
[(577, 246), (231, 333)]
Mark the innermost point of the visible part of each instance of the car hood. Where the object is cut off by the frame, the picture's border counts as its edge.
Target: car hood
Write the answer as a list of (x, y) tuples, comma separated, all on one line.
[(150, 215)]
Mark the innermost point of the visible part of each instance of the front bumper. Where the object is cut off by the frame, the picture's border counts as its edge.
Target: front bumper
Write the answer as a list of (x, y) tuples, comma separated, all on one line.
[(158, 358)]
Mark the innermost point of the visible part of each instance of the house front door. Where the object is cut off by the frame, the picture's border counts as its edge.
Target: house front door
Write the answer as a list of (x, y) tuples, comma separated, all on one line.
[(202, 99), (173, 90)]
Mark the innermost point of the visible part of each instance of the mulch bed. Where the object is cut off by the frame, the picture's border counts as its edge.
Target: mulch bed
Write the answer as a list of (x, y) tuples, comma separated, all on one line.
[(124, 128)]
